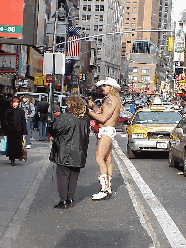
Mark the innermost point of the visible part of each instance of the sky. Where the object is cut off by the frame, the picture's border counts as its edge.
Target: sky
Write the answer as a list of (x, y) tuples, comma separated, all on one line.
[(179, 6)]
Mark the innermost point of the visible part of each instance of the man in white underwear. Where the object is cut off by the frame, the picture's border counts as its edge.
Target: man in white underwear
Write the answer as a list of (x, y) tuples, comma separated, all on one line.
[(107, 119)]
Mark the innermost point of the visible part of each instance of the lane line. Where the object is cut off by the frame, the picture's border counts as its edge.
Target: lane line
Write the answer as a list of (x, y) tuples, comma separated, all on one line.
[(170, 229), (143, 219)]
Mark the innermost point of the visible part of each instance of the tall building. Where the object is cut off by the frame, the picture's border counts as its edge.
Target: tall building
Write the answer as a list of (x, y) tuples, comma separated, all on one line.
[(140, 15), (97, 18), (147, 64)]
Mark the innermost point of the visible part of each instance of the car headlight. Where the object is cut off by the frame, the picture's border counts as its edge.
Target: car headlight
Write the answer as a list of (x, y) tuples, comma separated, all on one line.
[(137, 135)]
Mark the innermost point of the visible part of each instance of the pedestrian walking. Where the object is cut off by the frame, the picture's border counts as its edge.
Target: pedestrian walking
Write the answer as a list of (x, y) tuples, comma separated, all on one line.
[(15, 130), (27, 105), (107, 120), (42, 118), (69, 149)]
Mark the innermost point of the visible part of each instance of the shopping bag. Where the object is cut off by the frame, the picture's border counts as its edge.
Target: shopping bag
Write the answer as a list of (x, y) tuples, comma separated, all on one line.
[(23, 152), (3, 146), (23, 155)]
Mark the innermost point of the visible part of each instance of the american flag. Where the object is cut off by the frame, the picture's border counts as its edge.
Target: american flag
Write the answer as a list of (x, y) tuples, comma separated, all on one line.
[(72, 48)]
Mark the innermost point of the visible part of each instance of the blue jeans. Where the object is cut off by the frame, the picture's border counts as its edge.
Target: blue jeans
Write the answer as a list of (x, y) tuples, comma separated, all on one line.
[(29, 126), (42, 129)]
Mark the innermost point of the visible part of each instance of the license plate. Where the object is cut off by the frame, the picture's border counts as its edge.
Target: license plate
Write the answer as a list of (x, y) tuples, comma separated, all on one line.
[(161, 145)]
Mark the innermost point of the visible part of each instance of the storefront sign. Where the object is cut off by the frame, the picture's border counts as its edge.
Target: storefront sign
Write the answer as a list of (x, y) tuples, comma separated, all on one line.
[(8, 62)]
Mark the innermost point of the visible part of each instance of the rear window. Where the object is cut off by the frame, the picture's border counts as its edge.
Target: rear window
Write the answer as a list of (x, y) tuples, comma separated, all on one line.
[(156, 117)]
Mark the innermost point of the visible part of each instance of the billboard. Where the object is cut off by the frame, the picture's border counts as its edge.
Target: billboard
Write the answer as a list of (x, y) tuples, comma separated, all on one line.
[(11, 18), (18, 22)]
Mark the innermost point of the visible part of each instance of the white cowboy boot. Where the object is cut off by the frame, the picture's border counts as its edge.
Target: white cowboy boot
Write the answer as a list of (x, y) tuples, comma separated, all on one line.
[(109, 184), (103, 181)]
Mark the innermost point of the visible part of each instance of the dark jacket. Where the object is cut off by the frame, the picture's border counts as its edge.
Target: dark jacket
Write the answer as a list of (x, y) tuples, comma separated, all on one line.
[(71, 138), (43, 110), (14, 129)]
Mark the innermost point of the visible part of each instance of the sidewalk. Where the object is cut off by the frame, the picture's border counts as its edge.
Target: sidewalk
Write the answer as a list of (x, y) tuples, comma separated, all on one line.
[(28, 219)]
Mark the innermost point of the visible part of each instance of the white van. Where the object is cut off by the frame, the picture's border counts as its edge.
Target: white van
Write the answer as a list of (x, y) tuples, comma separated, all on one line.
[(36, 96), (62, 101)]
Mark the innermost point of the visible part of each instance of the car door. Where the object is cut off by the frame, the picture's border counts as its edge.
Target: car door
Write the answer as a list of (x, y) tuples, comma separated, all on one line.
[(177, 141)]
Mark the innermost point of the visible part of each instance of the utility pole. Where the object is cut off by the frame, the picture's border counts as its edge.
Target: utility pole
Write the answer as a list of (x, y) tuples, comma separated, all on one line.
[(52, 86)]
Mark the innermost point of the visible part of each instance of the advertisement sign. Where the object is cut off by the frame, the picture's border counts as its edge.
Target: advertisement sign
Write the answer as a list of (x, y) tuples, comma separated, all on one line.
[(179, 38), (11, 18), (18, 22), (8, 62)]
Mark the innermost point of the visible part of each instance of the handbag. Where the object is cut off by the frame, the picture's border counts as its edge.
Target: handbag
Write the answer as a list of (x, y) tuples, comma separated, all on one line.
[(3, 146), (23, 153)]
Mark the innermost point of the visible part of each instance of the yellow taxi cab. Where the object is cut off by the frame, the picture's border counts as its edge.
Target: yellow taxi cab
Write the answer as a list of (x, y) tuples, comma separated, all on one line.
[(150, 128)]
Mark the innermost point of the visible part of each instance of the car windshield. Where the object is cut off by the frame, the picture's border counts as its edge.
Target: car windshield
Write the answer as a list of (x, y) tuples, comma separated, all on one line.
[(156, 117)]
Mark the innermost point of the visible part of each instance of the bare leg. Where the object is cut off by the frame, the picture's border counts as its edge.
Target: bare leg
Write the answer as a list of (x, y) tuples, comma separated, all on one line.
[(103, 154), (109, 163)]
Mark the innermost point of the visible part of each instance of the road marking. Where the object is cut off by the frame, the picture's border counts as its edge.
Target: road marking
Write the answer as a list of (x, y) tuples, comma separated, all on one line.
[(170, 229)]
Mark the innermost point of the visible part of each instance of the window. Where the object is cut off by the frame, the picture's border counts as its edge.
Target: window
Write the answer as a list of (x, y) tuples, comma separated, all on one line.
[(127, 13), (144, 70), (133, 69), (126, 29), (127, 18), (89, 7), (95, 27), (101, 7), (83, 17), (96, 17), (127, 7), (145, 78), (134, 8), (132, 77), (135, 3), (96, 7), (126, 24), (101, 18), (133, 35), (100, 27), (83, 28), (88, 17), (88, 28), (128, 3), (84, 7), (133, 24), (133, 18), (133, 29)]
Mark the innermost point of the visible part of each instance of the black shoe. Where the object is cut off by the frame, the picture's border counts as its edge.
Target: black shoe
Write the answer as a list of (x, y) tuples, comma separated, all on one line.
[(12, 162), (70, 202), (62, 204)]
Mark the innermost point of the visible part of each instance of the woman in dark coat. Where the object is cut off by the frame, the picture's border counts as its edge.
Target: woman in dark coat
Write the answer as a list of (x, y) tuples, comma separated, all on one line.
[(69, 150), (15, 130)]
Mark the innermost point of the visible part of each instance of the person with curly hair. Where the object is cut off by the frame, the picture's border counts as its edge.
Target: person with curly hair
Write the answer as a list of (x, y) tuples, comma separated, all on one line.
[(107, 119), (69, 149)]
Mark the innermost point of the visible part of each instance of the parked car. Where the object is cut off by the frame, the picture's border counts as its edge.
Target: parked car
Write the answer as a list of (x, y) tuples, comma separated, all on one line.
[(123, 117), (177, 145), (150, 128)]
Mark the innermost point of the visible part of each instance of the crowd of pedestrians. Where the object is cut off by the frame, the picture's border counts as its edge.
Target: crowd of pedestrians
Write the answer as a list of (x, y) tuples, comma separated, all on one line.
[(18, 117)]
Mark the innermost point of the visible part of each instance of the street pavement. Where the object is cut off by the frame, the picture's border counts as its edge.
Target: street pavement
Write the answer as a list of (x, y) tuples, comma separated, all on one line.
[(29, 192)]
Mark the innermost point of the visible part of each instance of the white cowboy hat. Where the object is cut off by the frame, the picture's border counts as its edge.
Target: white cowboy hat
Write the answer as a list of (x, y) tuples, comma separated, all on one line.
[(109, 81)]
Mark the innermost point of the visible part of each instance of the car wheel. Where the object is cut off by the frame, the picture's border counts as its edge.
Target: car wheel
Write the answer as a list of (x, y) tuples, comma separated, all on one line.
[(130, 153), (172, 162)]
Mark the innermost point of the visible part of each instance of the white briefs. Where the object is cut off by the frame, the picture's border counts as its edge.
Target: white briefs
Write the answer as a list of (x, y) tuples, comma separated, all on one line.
[(109, 131)]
